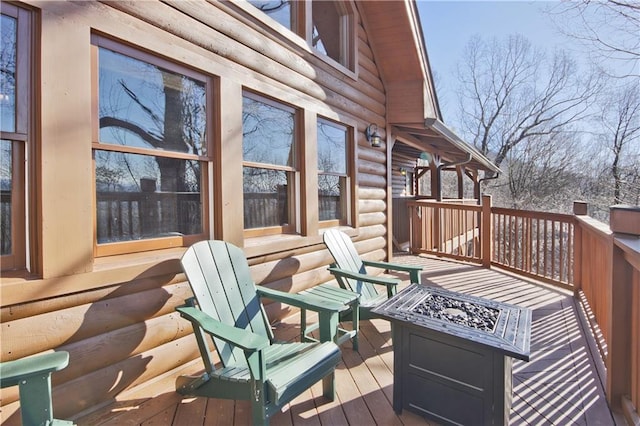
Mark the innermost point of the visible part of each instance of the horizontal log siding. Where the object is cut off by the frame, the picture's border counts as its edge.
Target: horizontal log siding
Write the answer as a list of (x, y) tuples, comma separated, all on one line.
[(118, 321)]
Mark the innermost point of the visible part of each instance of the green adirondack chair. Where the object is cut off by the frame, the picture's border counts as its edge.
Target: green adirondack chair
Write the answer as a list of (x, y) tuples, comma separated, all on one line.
[(350, 272), (33, 377), (227, 307)]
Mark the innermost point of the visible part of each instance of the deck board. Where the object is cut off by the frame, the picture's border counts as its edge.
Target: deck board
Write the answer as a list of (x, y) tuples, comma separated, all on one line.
[(558, 386)]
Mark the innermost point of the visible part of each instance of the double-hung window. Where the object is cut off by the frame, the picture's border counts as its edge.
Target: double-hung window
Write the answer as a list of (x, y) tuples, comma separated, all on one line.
[(270, 166), (15, 134), (334, 183), (151, 151)]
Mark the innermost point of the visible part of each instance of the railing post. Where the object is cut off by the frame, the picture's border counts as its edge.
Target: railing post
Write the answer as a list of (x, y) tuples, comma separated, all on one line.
[(486, 233), (580, 208), (437, 228), (625, 224)]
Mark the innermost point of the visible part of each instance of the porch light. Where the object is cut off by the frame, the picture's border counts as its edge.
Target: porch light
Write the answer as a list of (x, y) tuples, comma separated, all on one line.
[(372, 135)]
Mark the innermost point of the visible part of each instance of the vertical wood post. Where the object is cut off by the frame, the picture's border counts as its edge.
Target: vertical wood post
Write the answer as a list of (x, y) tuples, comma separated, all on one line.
[(486, 233), (436, 229), (580, 208), (625, 224)]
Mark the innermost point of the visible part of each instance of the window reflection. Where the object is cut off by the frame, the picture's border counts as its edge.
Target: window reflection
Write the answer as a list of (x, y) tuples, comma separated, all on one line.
[(143, 105), (279, 10), (333, 182), (330, 32), (8, 74), (141, 196), (6, 191), (148, 157), (270, 164)]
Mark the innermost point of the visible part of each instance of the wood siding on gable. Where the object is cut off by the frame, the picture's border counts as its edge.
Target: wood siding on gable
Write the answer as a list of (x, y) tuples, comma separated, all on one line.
[(116, 315)]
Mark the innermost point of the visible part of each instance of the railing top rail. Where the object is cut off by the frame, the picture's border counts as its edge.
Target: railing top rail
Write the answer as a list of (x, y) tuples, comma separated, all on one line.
[(594, 226), (560, 217), (443, 204)]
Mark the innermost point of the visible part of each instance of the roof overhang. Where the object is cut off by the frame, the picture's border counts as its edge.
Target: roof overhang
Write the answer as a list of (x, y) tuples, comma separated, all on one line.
[(395, 34), (435, 137)]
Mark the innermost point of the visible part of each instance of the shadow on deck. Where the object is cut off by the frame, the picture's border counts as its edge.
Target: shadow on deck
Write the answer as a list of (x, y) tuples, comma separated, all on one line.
[(559, 386)]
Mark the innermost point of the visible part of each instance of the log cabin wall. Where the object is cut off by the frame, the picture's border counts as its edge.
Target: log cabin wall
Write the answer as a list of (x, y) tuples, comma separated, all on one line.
[(115, 315), (403, 190)]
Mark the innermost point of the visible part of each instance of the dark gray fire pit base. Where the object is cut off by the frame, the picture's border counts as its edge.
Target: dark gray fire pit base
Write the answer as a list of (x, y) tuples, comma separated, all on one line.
[(449, 380), (448, 372)]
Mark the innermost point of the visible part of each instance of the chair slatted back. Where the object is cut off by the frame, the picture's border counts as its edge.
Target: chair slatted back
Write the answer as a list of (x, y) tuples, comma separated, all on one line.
[(346, 257), (221, 282)]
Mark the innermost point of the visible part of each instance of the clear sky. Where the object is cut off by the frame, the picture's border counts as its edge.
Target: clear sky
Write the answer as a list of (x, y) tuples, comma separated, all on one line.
[(448, 26)]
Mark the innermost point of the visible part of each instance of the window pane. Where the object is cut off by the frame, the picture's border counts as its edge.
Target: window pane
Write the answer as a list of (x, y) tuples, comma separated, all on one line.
[(328, 32), (332, 147), (267, 133), (280, 10), (142, 196), (6, 190), (143, 105), (8, 74), (332, 196), (266, 197)]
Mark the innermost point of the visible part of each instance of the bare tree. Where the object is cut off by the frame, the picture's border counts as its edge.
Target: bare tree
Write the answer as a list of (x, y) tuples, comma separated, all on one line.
[(542, 172), (620, 124), (609, 31), (510, 92)]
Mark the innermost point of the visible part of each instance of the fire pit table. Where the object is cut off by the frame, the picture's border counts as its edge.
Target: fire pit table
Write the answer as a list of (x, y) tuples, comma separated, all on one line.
[(453, 354)]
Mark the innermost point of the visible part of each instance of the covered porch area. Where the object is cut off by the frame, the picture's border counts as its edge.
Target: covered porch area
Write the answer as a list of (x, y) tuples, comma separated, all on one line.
[(559, 386)]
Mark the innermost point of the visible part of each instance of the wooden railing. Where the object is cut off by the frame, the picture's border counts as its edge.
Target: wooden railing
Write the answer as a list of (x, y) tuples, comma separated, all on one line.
[(536, 244), (448, 229), (600, 264), (593, 271), (623, 339)]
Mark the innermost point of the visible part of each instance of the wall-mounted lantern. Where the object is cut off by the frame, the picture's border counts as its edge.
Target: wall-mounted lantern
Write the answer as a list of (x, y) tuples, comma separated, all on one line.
[(372, 135)]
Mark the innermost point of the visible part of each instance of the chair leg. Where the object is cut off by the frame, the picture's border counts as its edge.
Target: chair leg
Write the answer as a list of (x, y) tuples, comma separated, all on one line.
[(328, 326), (259, 412), (35, 400), (329, 387), (355, 323), (303, 325)]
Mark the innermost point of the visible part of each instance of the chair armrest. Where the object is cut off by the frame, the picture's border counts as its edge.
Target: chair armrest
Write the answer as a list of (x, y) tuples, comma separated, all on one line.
[(239, 337), (12, 372), (389, 282), (414, 271), (301, 301)]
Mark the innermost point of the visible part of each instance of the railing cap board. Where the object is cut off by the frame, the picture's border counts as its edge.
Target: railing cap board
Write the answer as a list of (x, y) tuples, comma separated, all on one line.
[(625, 219)]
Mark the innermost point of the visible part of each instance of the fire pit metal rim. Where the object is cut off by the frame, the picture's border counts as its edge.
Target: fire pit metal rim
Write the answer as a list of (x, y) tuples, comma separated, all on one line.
[(510, 335)]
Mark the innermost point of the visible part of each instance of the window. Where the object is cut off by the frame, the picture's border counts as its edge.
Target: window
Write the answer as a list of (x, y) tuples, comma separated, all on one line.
[(15, 69), (270, 166), (327, 26), (150, 152), (333, 173), (281, 11), (331, 34)]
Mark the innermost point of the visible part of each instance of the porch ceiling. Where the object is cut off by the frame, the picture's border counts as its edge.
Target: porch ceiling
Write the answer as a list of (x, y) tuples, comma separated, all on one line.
[(435, 137)]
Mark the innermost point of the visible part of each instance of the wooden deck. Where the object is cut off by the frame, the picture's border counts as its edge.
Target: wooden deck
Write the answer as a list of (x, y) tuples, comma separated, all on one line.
[(559, 386)]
